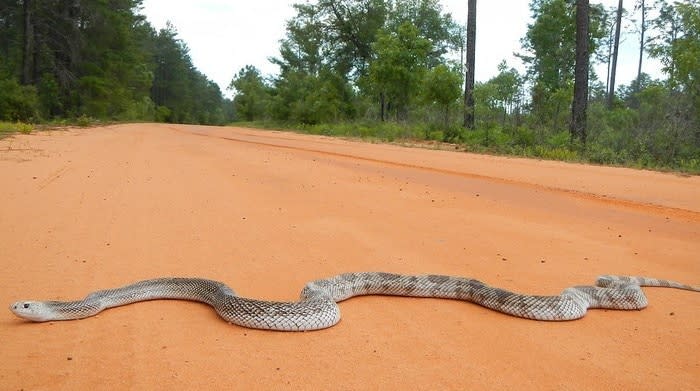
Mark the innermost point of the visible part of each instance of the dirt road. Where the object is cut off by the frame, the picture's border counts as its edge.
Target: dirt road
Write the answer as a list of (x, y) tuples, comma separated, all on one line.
[(266, 212)]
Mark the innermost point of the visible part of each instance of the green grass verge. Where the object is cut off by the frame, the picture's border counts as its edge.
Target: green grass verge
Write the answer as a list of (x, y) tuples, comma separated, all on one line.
[(518, 142), (10, 128)]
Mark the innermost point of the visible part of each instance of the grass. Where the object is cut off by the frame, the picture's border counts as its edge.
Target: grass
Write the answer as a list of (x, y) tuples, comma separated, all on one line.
[(496, 141), (10, 128)]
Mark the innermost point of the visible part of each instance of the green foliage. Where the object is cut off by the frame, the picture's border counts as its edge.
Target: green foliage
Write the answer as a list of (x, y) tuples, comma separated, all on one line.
[(678, 43), (18, 103), (550, 44), (8, 128), (141, 110), (399, 66), (24, 128), (187, 94), (442, 86), (521, 141), (94, 92), (340, 34), (110, 73), (100, 59), (552, 109), (686, 49), (310, 99), (550, 53), (84, 121), (431, 24), (162, 114), (346, 65), (49, 96), (500, 100), (301, 50), (252, 95), (677, 46), (340, 58)]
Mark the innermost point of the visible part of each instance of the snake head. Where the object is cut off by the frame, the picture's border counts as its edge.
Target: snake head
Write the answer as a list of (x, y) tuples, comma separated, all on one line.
[(31, 310)]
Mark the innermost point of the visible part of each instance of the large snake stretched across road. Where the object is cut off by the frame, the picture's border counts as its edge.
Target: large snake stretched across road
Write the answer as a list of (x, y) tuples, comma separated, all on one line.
[(317, 308)]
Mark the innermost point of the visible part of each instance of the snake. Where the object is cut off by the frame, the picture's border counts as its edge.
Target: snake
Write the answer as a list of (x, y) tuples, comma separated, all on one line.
[(317, 307)]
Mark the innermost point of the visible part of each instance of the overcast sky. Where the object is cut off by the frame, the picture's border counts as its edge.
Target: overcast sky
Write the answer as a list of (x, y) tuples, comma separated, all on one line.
[(224, 35)]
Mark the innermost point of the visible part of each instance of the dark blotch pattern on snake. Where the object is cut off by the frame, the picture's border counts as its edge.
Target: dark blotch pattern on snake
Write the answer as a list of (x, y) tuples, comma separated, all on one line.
[(317, 308)]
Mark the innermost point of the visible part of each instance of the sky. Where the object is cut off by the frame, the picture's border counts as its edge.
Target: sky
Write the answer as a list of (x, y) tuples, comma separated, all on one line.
[(224, 35)]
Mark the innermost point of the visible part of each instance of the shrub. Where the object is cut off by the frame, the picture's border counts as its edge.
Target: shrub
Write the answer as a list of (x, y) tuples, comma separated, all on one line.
[(602, 154), (162, 114), (84, 121), (18, 103), (556, 153), (558, 140), (10, 127), (523, 137)]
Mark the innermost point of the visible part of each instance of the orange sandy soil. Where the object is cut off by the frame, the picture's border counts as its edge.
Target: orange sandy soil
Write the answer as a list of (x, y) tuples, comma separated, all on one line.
[(265, 212)]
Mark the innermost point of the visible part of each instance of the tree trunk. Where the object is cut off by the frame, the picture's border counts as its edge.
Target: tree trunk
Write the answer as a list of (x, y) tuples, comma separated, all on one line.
[(580, 105), (613, 71), (471, 56), (607, 75), (381, 106), (641, 46), (27, 47), (447, 115)]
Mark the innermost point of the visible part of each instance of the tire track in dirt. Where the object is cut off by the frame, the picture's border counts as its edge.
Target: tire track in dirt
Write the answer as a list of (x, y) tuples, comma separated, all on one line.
[(53, 177), (589, 196), (268, 220)]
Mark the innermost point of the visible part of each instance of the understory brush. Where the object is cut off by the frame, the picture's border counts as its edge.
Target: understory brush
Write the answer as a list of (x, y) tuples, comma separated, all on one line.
[(8, 128), (606, 147)]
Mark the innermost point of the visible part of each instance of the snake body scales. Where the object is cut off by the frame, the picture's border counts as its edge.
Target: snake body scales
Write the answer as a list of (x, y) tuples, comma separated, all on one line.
[(317, 308)]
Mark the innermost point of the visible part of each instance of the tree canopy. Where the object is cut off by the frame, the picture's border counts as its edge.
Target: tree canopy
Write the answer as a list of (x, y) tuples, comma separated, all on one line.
[(63, 58), (397, 65), (372, 60)]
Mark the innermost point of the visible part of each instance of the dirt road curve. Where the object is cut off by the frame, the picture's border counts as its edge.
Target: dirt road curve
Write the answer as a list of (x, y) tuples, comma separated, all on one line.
[(266, 212)]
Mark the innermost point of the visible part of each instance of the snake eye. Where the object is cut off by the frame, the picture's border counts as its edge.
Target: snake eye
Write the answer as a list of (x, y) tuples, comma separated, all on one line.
[(26, 305)]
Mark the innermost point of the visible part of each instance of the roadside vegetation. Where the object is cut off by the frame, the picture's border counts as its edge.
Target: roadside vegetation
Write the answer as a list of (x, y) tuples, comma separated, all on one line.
[(9, 128), (95, 61), (395, 71), (399, 76), (497, 141)]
